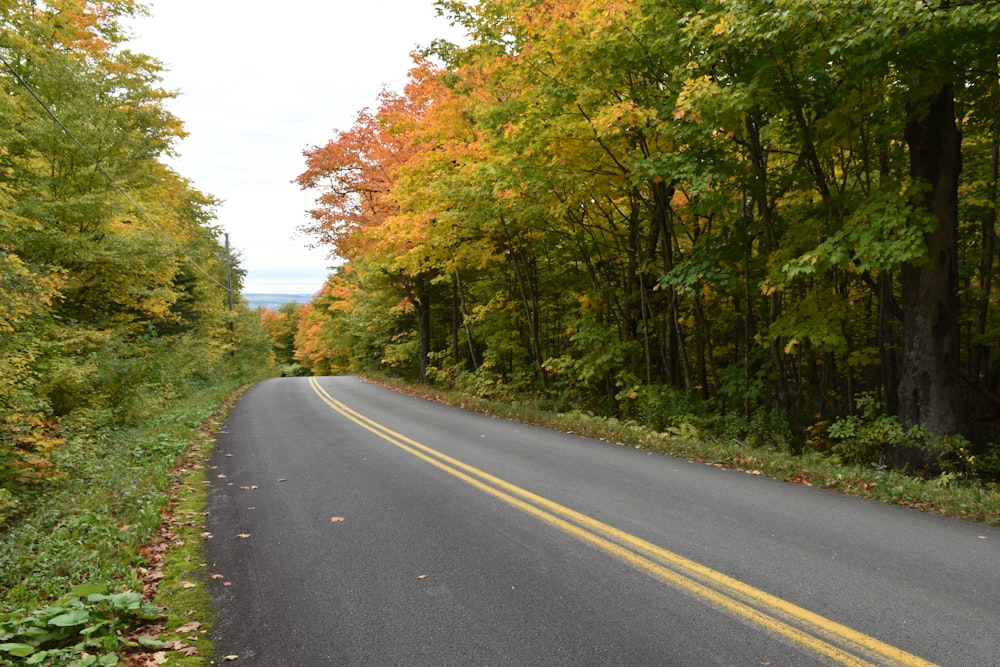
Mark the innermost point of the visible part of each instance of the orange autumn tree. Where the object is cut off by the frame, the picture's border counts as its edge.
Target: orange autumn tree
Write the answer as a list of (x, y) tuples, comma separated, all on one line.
[(357, 215), (329, 328)]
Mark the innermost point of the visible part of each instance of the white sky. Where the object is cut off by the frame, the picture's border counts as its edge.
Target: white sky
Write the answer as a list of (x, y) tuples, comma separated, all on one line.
[(261, 80)]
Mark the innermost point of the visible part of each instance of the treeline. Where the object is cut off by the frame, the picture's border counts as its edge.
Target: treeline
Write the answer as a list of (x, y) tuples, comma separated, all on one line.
[(781, 208), (112, 277)]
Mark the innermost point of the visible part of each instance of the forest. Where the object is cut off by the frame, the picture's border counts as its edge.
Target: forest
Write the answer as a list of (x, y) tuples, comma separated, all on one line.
[(656, 210), (114, 281)]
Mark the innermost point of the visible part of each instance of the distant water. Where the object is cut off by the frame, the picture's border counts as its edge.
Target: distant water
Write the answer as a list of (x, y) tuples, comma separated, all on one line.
[(275, 301)]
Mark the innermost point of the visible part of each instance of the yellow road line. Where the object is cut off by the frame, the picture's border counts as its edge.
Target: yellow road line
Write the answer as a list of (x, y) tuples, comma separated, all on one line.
[(826, 639)]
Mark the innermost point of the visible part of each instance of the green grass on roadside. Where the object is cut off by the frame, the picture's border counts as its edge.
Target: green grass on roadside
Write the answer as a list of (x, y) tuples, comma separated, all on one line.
[(948, 494), (183, 591), (124, 518)]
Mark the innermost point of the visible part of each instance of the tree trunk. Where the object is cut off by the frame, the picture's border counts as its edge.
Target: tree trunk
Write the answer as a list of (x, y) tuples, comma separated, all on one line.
[(929, 386), (422, 305), (981, 351)]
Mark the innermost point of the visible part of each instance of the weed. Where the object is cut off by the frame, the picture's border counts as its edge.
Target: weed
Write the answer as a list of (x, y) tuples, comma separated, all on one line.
[(91, 533), (85, 627)]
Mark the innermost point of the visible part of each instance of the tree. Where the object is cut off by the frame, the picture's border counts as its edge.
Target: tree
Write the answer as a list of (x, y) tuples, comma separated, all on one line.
[(761, 203), (116, 250)]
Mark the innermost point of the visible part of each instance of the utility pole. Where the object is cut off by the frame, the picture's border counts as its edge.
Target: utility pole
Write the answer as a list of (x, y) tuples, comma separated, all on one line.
[(229, 289), (229, 273)]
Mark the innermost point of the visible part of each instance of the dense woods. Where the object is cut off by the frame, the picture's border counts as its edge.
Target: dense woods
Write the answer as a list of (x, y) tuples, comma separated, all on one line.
[(785, 210), (113, 280)]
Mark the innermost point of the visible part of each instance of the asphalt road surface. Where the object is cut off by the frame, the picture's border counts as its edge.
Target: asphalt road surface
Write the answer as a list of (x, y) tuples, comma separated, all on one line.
[(358, 526)]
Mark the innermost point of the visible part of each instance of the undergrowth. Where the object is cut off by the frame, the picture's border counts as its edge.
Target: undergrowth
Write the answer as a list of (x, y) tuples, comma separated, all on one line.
[(83, 564), (761, 445)]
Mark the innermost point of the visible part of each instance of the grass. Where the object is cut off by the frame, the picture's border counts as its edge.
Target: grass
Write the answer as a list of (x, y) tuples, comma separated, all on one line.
[(125, 515), (180, 572), (948, 494)]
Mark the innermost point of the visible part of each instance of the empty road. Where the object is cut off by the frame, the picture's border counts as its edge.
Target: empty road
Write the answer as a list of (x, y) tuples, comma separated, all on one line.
[(358, 526)]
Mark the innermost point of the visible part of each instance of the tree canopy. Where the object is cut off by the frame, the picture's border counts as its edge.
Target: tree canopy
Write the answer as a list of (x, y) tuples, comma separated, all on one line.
[(112, 275), (773, 206)]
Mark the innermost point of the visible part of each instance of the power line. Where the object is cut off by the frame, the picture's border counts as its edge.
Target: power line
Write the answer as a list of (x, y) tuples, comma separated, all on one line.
[(142, 213)]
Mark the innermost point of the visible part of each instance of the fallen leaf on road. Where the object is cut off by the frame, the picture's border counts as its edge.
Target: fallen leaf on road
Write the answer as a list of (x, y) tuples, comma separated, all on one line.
[(249, 488), (336, 519), (206, 535), (422, 576), (221, 476), (230, 658), (243, 536), (982, 537), (216, 576), (229, 456)]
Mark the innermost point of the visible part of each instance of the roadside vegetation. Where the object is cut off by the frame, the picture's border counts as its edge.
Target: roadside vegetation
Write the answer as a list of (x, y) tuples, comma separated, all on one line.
[(102, 563), (763, 445)]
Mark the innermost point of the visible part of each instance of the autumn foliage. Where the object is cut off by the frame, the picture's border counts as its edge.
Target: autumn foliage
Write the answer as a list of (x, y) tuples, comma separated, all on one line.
[(112, 276), (630, 207)]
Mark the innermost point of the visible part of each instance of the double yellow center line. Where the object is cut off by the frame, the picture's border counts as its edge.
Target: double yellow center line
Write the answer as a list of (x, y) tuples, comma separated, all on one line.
[(827, 640)]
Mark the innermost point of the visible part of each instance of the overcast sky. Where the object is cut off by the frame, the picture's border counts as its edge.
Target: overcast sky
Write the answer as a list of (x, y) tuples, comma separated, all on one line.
[(260, 81)]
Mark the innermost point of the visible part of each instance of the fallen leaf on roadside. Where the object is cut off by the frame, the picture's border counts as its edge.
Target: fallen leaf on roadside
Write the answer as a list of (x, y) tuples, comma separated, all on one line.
[(188, 584), (243, 536), (206, 535), (189, 627), (336, 519)]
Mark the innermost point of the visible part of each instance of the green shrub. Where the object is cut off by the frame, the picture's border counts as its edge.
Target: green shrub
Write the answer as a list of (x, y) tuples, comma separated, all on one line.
[(85, 627), (768, 429), (873, 437), (660, 406)]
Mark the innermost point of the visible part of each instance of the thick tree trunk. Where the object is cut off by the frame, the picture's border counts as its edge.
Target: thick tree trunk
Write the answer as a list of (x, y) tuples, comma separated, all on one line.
[(981, 352), (422, 305), (929, 393)]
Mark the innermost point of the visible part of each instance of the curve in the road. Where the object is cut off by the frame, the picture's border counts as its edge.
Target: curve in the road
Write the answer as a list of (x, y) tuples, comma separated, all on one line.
[(790, 623)]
